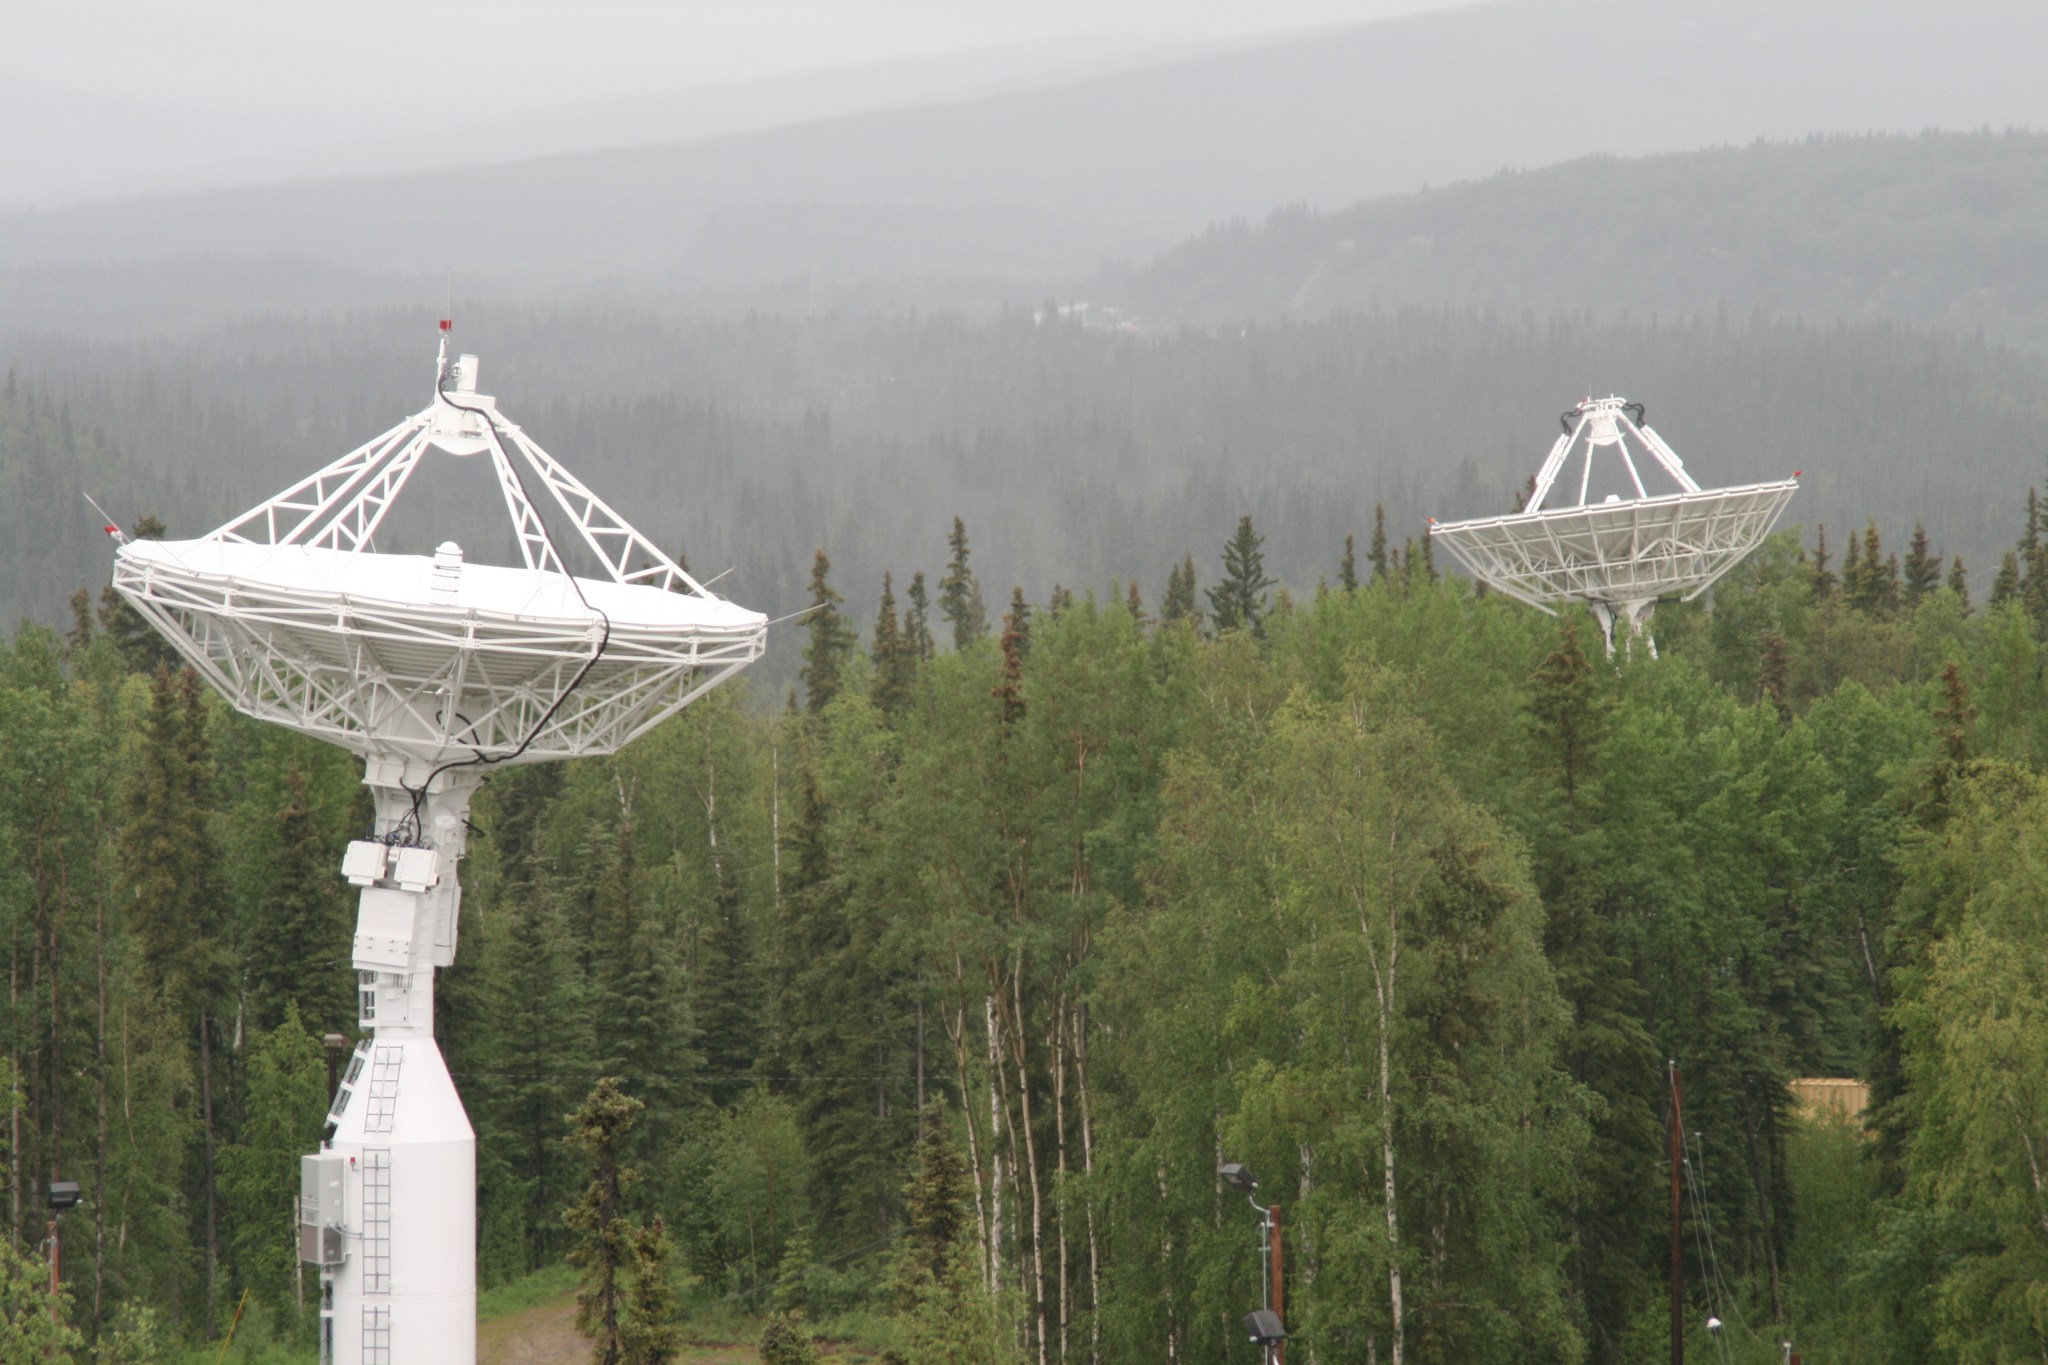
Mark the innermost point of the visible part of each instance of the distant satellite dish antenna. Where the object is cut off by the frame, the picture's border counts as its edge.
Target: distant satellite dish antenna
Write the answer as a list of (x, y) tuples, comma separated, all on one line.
[(1623, 554), (433, 669)]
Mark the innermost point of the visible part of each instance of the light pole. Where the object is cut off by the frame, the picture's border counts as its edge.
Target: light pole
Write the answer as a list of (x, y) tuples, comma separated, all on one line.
[(1267, 1326), (63, 1194)]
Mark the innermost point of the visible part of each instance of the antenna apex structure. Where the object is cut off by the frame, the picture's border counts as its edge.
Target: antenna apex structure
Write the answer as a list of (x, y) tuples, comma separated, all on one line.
[(1631, 549)]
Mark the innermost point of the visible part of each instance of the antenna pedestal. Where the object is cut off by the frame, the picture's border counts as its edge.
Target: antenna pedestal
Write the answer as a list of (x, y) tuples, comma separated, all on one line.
[(1632, 617), (404, 1287)]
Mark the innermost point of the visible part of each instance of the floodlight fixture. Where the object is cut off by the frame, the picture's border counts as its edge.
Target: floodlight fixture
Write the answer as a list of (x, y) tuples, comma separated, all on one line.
[(63, 1194), (1264, 1327), (1237, 1177), (1623, 554)]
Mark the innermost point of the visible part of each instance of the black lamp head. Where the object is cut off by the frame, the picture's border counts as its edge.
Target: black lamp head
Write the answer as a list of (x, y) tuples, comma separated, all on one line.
[(63, 1195), (1237, 1177), (1264, 1327)]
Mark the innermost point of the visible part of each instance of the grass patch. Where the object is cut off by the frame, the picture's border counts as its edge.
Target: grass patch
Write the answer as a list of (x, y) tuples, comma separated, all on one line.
[(549, 1282)]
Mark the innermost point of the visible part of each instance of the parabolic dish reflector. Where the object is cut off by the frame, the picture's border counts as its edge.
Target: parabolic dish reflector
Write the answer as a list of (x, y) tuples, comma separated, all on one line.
[(1617, 552), (294, 616), (1625, 553)]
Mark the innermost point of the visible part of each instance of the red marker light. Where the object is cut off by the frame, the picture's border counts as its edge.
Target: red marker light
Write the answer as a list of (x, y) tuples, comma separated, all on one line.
[(113, 530), (447, 324), (1797, 472)]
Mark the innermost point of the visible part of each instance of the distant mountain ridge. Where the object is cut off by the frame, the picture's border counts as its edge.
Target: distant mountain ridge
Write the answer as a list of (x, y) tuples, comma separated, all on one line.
[(1043, 184), (1946, 230)]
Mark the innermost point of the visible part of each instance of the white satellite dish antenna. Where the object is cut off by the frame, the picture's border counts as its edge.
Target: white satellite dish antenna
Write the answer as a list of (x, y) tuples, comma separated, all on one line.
[(433, 669), (1620, 555)]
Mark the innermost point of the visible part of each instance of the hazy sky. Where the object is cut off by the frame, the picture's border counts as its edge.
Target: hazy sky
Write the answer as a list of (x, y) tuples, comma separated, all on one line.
[(113, 98), (514, 53)]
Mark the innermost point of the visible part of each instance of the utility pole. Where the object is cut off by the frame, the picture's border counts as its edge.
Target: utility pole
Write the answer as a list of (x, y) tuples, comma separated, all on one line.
[(1677, 1265), (1277, 1282)]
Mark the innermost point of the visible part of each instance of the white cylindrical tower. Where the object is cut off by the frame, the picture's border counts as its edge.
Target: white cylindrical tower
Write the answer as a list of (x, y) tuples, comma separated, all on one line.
[(404, 1287)]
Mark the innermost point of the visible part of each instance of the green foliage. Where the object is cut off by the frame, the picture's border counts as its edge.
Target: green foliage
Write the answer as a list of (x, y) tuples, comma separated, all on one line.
[(1239, 601), (960, 593), (946, 1000), (831, 643), (785, 1341), (616, 1255), (284, 1102), (32, 1326)]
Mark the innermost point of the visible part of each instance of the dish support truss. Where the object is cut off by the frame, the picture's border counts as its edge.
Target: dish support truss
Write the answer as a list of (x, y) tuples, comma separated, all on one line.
[(1623, 555), (341, 506), (421, 680)]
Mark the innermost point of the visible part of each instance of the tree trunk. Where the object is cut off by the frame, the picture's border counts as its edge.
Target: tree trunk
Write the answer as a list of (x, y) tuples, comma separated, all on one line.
[(212, 1201), (14, 1090), (99, 1155), (1059, 1130), (956, 1033), (1391, 1192), (1385, 976), (775, 821), (1087, 1170), (1019, 1049), (996, 1106)]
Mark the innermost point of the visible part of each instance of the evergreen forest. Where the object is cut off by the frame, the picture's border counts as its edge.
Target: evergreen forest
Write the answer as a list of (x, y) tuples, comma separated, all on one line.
[(929, 993)]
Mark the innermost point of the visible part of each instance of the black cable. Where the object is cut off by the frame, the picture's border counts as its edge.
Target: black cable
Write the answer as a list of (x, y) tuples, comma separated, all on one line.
[(604, 639)]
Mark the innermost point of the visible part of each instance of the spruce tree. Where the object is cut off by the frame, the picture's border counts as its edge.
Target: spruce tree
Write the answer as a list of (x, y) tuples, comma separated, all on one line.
[(1239, 601), (1179, 602), (1857, 588), (728, 994), (1923, 568), (167, 849), (175, 914), (834, 1029), (1347, 567), (650, 1335), (1774, 672), (831, 640), (298, 953), (2006, 586), (1018, 621), (284, 1103), (608, 1246), (1376, 552), (1135, 604), (1016, 643), (1823, 577), (1607, 1047), (935, 1207), (1959, 581), (894, 655), (917, 618), (960, 594)]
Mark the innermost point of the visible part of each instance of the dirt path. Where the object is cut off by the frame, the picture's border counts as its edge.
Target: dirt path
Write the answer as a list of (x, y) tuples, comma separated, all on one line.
[(546, 1335)]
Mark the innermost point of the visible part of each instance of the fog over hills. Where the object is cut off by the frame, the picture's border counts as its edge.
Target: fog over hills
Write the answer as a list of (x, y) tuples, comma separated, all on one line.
[(1038, 185), (1939, 229)]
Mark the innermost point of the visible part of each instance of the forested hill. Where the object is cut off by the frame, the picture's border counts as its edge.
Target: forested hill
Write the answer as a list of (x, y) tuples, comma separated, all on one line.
[(1945, 229), (1043, 183), (1075, 455)]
